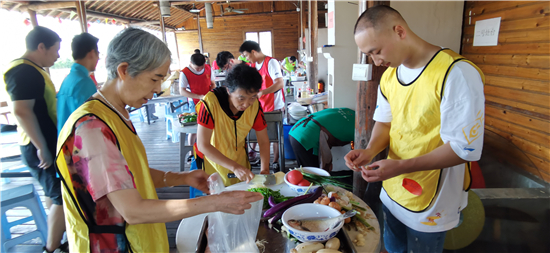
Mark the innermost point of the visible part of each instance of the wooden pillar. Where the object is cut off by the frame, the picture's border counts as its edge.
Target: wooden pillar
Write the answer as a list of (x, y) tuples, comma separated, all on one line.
[(366, 104), (301, 26), (313, 31), (81, 11), (162, 28), (32, 15), (177, 47), (200, 33)]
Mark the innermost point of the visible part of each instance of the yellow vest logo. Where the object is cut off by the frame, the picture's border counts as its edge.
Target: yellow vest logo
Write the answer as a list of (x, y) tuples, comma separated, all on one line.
[(471, 131)]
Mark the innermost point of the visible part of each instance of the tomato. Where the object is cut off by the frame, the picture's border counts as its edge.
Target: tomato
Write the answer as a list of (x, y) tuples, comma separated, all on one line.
[(304, 183), (294, 177)]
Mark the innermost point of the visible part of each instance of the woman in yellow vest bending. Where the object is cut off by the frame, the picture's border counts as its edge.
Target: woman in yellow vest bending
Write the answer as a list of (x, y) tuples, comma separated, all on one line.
[(225, 116), (109, 195)]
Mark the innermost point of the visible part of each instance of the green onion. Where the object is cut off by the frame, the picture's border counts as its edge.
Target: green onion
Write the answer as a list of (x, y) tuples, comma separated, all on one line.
[(320, 180), (362, 220)]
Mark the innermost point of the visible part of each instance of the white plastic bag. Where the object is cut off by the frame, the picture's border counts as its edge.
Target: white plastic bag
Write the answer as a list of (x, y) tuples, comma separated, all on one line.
[(230, 232)]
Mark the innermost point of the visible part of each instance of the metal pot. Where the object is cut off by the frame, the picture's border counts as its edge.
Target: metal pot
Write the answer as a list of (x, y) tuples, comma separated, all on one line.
[(313, 108)]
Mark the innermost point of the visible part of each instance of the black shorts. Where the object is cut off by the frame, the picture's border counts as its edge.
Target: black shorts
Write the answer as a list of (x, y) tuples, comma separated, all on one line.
[(46, 177)]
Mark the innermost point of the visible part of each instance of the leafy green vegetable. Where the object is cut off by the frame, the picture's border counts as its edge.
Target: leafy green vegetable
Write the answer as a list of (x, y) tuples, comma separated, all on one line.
[(322, 180), (267, 193)]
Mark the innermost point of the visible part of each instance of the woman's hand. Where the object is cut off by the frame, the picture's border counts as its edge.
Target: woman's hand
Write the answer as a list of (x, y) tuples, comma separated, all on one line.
[(235, 202), (197, 179), (243, 173)]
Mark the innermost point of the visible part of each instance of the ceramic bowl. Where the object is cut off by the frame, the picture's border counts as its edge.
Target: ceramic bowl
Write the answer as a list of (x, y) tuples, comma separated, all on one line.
[(307, 211), (303, 189)]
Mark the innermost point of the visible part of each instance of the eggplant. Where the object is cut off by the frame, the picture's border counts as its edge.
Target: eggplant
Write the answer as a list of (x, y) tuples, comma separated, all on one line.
[(276, 217), (281, 207), (271, 201)]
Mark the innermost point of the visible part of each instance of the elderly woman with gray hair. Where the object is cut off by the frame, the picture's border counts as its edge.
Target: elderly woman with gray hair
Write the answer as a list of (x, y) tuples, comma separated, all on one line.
[(108, 188)]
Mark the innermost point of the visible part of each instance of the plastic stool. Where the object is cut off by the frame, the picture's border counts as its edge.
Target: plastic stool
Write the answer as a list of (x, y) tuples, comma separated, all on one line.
[(172, 129), (193, 193), (25, 196)]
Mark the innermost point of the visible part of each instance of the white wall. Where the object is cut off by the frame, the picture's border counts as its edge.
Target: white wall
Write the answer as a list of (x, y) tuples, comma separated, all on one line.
[(438, 22), (341, 57)]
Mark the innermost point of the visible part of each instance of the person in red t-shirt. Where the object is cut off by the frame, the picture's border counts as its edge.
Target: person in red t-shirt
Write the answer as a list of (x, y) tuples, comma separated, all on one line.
[(195, 82), (271, 96)]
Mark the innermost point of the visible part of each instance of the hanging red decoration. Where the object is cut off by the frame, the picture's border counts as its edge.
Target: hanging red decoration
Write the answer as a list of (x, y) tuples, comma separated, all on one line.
[(89, 25), (114, 21), (27, 22)]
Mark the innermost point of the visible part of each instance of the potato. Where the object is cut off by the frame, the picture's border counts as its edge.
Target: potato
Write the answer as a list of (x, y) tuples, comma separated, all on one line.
[(309, 247), (333, 243), (328, 251)]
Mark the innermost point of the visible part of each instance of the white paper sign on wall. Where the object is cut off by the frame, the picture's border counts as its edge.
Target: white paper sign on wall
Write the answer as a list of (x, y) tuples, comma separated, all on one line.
[(486, 32)]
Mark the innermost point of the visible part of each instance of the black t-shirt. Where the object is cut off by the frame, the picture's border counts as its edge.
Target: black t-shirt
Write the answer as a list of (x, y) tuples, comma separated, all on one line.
[(24, 82)]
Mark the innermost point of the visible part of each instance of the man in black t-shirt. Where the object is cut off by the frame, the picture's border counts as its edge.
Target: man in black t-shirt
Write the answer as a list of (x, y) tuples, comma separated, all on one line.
[(34, 104)]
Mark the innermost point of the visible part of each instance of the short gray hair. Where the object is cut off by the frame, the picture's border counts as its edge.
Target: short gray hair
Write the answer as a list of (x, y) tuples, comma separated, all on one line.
[(140, 49)]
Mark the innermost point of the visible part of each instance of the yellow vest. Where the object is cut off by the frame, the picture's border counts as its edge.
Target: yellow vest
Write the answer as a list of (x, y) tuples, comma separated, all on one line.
[(228, 136), (49, 96), (415, 128), (141, 237)]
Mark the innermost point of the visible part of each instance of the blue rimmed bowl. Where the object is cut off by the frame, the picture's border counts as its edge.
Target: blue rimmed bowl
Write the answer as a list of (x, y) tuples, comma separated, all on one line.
[(302, 189), (308, 211)]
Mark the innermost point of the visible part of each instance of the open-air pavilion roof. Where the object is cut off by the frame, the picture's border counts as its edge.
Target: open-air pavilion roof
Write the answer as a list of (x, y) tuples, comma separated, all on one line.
[(144, 13)]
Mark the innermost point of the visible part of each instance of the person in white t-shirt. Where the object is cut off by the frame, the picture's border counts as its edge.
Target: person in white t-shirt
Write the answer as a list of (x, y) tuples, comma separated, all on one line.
[(271, 95), (430, 112)]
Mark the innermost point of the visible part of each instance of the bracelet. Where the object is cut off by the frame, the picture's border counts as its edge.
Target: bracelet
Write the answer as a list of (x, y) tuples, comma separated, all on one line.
[(166, 184)]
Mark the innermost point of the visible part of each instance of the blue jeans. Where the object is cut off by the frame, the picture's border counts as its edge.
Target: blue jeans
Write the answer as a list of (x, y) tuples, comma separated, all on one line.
[(400, 238)]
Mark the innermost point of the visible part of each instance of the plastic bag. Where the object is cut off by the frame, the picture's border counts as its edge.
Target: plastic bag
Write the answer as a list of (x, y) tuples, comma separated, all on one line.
[(230, 232)]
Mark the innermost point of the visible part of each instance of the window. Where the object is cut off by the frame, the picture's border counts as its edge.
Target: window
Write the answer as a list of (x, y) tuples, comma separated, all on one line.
[(264, 39)]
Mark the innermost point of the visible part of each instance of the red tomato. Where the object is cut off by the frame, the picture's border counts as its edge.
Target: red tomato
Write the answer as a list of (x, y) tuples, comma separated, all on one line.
[(304, 183), (294, 177)]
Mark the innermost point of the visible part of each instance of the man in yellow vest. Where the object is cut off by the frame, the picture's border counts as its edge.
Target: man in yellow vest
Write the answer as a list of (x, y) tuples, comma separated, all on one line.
[(430, 112), (225, 117), (34, 104)]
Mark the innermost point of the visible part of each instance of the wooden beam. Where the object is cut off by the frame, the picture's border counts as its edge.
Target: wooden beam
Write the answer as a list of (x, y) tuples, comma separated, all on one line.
[(81, 11), (142, 23), (32, 15), (181, 8), (250, 14), (366, 104), (48, 6)]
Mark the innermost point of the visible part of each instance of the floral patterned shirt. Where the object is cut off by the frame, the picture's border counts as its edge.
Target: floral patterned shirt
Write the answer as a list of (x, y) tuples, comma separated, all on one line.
[(98, 168)]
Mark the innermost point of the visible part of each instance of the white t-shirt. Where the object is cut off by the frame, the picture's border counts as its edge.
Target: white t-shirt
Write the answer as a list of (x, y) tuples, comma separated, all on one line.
[(274, 70), (462, 107)]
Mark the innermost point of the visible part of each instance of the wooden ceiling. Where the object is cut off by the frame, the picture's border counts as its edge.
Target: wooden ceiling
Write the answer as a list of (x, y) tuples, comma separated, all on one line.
[(124, 12), (144, 13)]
